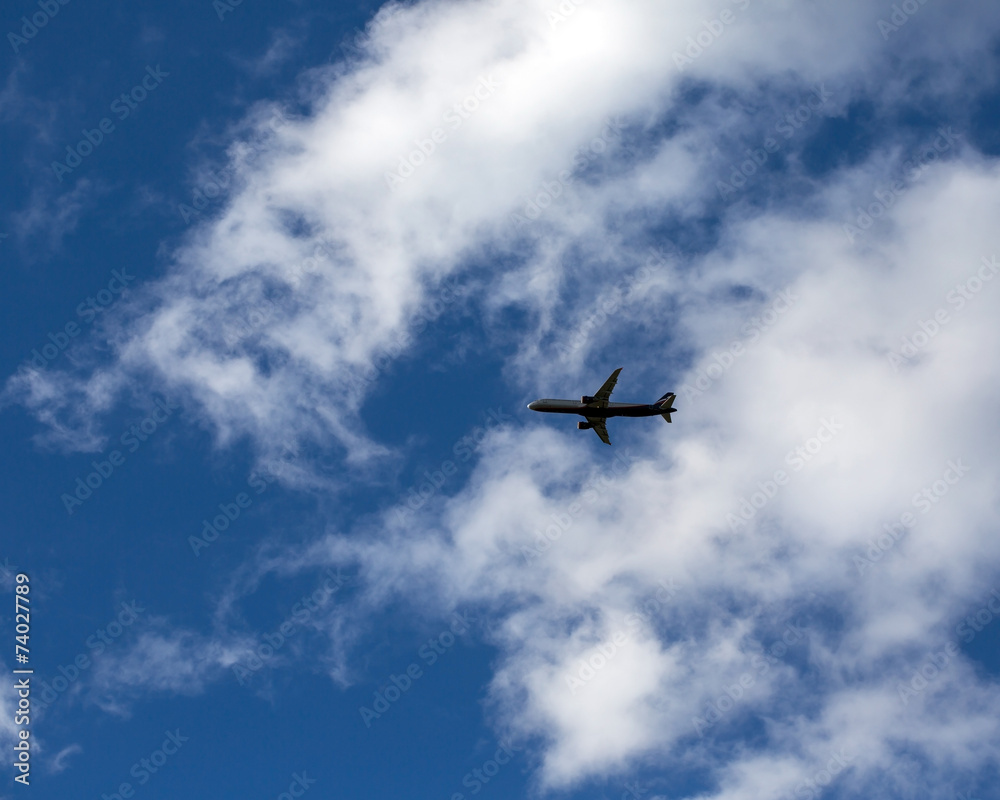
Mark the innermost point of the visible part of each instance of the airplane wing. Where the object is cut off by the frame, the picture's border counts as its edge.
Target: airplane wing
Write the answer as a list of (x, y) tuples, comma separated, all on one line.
[(604, 393), (599, 424)]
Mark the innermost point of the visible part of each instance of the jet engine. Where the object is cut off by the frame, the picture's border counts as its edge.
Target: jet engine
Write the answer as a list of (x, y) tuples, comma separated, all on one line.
[(584, 426), (586, 400)]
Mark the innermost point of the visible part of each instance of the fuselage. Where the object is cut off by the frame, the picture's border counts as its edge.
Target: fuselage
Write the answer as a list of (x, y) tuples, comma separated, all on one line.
[(585, 410)]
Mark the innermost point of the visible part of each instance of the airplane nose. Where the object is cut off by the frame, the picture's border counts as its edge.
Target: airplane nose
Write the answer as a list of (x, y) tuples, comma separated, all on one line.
[(533, 405)]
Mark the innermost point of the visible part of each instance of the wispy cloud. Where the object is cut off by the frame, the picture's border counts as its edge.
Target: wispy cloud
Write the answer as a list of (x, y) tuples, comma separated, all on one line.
[(344, 264)]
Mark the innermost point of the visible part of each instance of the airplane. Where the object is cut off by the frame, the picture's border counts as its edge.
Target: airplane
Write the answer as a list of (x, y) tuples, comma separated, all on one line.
[(598, 408)]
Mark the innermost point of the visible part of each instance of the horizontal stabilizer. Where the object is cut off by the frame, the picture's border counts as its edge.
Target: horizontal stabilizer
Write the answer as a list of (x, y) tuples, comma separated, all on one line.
[(666, 403)]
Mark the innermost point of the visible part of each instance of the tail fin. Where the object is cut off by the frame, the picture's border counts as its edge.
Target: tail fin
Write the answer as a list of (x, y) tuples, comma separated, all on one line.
[(665, 404)]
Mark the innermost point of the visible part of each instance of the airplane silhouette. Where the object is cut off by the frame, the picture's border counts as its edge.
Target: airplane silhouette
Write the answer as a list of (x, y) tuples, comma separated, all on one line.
[(598, 409)]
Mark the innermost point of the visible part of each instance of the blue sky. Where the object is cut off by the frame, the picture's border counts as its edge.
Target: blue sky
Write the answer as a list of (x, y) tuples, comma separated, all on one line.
[(279, 282)]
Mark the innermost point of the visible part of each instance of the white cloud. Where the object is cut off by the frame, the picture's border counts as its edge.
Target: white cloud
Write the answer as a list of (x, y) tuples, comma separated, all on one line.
[(872, 437), (823, 365), (162, 660), (60, 759)]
